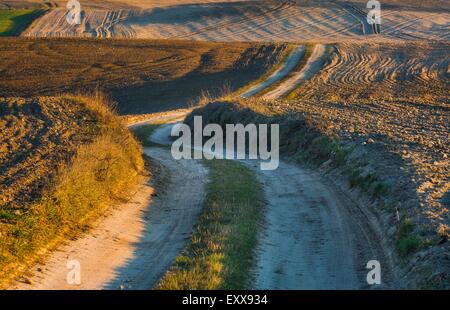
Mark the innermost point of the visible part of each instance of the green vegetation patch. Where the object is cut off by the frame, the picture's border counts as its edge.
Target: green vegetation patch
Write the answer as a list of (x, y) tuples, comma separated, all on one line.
[(407, 242), (143, 133), (13, 22), (222, 247)]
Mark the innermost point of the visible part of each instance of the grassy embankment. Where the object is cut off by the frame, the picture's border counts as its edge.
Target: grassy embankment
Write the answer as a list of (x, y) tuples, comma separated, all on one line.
[(222, 247), (101, 173), (13, 22), (302, 139)]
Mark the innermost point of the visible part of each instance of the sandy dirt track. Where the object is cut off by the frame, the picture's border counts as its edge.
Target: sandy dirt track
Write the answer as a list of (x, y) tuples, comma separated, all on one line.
[(133, 246), (313, 237), (289, 64), (313, 65), (246, 21)]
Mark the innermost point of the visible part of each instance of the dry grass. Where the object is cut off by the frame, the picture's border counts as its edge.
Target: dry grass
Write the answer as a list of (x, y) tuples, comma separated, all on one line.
[(36, 136), (100, 172), (220, 254)]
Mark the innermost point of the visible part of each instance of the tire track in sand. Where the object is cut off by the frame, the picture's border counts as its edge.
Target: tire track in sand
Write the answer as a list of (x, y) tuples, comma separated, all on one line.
[(312, 66)]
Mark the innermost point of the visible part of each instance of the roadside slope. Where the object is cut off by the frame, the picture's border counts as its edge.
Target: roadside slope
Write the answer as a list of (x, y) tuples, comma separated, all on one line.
[(63, 161)]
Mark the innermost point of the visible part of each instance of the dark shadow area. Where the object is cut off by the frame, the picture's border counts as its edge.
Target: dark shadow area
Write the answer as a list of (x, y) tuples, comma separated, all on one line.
[(183, 92)]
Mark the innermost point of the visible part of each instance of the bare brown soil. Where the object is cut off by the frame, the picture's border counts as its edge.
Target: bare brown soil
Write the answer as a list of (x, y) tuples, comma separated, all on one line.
[(141, 76)]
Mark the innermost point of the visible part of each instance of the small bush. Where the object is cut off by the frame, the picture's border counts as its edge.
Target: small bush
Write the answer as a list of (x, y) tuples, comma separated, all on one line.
[(407, 243)]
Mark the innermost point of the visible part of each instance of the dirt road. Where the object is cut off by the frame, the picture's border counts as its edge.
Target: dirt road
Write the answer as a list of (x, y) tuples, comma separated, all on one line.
[(311, 239), (312, 66), (288, 65), (314, 237), (133, 246)]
